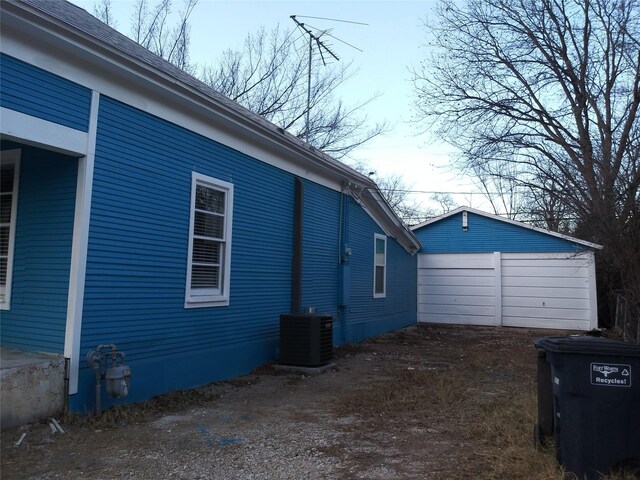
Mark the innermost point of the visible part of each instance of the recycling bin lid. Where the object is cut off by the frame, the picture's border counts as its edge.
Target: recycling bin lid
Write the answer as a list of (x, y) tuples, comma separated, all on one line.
[(587, 345)]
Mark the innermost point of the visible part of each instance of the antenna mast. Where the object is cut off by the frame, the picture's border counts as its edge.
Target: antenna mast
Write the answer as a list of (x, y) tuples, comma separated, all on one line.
[(321, 47)]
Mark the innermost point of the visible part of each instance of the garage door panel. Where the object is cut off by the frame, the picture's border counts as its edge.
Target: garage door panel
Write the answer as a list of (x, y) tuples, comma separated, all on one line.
[(429, 299), (548, 302), (573, 262), (557, 282), (544, 292), (459, 272), (550, 313), (470, 291), (545, 271), (454, 281), (455, 319), (543, 256), (543, 323), (442, 309)]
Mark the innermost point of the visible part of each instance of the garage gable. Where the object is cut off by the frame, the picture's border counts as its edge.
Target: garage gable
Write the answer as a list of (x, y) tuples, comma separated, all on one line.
[(479, 269), (466, 230)]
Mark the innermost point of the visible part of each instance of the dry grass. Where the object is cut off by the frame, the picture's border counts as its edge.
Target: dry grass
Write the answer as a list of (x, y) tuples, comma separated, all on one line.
[(487, 398), (408, 391), (503, 424), (480, 394), (499, 426), (140, 412)]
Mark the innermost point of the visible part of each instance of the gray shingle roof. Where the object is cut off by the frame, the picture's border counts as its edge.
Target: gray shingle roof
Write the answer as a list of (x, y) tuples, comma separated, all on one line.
[(78, 21), (83, 21)]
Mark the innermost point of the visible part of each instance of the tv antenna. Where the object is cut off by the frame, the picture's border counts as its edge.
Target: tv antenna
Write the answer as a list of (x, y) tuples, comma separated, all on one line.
[(323, 49)]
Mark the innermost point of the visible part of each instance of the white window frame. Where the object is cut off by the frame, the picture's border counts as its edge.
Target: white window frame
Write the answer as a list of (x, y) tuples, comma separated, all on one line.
[(197, 298), (11, 157), (382, 294)]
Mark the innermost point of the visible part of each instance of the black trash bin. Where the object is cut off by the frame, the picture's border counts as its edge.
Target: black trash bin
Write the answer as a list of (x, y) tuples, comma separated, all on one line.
[(306, 339), (589, 399)]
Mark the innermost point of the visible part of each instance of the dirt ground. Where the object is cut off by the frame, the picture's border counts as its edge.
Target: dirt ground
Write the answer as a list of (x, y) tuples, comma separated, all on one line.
[(412, 404)]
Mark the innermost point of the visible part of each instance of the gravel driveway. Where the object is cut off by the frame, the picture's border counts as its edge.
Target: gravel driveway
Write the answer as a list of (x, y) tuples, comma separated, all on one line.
[(398, 406)]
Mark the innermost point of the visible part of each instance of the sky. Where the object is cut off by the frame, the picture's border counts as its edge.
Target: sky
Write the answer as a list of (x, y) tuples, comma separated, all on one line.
[(393, 40)]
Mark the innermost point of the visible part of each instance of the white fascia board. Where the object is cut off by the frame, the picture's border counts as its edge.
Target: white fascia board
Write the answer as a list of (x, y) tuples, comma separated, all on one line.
[(410, 241), (130, 81), (42, 133), (506, 220)]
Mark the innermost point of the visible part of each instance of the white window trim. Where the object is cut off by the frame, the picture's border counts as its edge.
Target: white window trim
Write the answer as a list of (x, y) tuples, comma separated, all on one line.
[(11, 156), (221, 299), (377, 237)]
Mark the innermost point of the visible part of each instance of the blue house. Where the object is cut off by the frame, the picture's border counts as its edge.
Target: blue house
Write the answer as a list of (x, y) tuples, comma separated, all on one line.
[(143, 209), (476, 268)]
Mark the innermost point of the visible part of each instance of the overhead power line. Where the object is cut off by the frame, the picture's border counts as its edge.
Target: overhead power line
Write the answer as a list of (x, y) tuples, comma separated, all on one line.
[(447, 193)]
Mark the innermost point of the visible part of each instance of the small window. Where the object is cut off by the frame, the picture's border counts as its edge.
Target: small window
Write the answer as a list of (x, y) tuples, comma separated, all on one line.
[(380, 266), (209, 242), (9, 167)]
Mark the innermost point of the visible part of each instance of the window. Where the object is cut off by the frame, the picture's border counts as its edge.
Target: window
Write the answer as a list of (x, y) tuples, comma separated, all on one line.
[(9, 167), (380, 266), (209, 242)]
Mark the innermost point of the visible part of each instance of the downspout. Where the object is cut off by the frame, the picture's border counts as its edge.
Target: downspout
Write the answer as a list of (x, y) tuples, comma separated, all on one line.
[(296, 261), (344, 272)]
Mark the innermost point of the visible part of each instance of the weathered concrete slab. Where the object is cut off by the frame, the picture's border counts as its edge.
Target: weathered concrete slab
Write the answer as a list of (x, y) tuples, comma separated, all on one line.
[(31, 386)]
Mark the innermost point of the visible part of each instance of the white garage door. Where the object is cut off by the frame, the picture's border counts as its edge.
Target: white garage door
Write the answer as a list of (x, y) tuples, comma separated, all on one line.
[(548, 290), (457, 288), (510, 289)]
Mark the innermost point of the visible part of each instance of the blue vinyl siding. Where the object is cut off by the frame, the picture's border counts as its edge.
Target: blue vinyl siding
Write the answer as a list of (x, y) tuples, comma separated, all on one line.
[(137, 259), (36, 92), (321, 248), (486, 234), (369, 316), (136, 266), (42, 257)]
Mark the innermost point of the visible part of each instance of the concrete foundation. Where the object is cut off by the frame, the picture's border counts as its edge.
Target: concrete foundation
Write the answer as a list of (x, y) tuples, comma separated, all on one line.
[(31, 386)]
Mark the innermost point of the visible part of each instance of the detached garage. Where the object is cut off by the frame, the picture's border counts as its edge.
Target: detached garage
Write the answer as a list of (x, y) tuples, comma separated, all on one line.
[(476, 268)]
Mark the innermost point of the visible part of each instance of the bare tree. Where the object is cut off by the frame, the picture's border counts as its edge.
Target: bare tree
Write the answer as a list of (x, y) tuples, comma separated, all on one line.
[(503, 194), (154, 27), (397, 193), (269, 76), (545, 93), (103, 11), (446, 203)]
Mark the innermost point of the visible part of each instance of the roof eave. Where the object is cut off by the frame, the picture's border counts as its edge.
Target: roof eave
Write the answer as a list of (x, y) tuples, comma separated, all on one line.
[(234, 115), (374, 199), (239, 117)]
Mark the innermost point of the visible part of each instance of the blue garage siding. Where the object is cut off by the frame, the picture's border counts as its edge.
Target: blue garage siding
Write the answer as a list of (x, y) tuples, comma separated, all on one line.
[(320, 248), (369, 316), (136, 266), (36, 92), (42, 256), (484, 235)]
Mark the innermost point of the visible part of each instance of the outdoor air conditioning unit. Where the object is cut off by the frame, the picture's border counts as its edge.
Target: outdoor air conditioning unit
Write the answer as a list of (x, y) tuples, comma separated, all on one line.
[(306, 339)]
